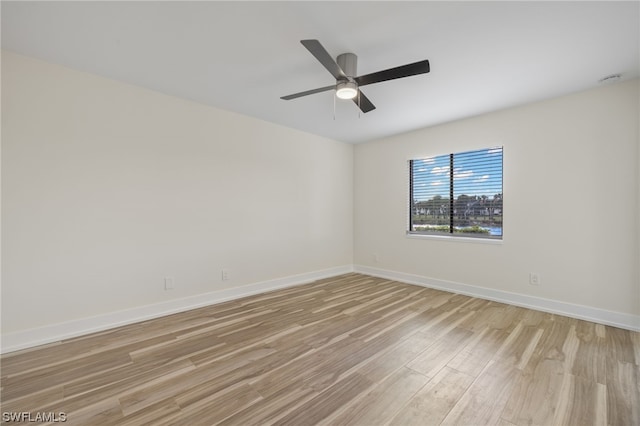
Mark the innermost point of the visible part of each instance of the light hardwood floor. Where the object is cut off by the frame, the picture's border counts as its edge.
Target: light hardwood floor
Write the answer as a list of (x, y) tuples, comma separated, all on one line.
[(347, 350)]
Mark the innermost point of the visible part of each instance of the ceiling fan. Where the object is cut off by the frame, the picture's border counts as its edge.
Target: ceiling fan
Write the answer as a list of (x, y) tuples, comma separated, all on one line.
[(347, 84)]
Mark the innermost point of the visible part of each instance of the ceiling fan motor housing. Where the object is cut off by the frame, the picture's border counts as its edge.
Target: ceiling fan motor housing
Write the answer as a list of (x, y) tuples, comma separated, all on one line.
[(347, 88), (349, 64)]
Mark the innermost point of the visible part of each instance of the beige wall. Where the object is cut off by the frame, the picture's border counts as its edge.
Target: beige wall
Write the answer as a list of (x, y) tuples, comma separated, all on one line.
[(571, 191), (108, 188)]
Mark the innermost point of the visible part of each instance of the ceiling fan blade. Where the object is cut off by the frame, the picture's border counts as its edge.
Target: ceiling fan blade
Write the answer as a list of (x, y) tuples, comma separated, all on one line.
[(393, 73), (308, 92), (363, 102), (324, 58)]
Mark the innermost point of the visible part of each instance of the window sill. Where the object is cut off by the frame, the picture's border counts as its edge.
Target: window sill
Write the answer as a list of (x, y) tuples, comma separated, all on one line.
[(455, 239)]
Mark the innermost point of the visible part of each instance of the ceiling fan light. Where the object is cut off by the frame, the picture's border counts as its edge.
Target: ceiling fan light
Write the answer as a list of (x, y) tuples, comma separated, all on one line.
[(346, 90)]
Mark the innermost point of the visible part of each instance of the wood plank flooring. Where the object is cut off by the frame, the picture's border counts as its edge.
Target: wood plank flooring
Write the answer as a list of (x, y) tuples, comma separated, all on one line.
[(350, 350)]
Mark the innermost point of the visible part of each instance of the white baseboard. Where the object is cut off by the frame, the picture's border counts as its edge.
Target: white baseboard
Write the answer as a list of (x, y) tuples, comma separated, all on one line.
[(53, 333), (601, 316), (56, 332)]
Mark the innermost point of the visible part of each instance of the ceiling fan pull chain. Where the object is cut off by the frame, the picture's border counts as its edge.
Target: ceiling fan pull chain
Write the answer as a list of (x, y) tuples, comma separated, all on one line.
[(359, 107), (334, 108)]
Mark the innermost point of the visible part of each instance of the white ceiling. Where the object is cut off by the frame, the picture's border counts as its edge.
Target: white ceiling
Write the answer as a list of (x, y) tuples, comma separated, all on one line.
[(242, 56)]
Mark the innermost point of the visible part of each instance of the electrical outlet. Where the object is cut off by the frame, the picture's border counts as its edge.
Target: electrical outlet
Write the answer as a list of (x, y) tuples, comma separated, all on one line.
[(168, 283), (225, 274), (534, 278)]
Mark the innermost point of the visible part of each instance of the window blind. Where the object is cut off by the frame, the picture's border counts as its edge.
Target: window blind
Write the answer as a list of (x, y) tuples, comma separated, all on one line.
[(458, 194)]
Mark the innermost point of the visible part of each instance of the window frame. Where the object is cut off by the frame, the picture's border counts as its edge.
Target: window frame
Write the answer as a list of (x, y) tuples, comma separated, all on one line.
[(452, 235)]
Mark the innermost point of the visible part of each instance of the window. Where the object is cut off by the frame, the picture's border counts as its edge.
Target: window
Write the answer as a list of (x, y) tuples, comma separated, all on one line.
[(457, 194)]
